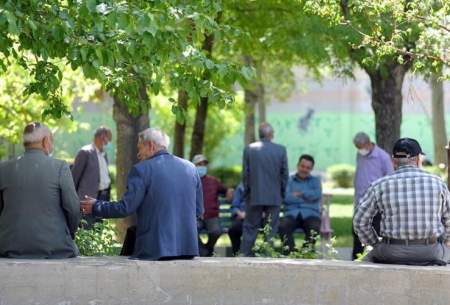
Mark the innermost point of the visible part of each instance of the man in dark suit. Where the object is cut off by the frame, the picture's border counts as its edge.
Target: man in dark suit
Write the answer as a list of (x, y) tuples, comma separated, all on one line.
[(265, 176), (166, 193), (39, 208), (90, 170)]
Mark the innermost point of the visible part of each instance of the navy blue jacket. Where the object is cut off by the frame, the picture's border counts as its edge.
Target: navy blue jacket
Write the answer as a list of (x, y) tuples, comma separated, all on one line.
[(166, 193)]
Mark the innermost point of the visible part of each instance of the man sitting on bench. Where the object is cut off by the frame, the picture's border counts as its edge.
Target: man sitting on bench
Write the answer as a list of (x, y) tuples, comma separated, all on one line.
[(301, 205)]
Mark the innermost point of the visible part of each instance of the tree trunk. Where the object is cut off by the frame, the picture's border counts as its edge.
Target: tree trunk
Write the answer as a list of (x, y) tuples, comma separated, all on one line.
[(387, 100), (180, 127), (198, 133), (250, 99), (262, 115), (128, 127), (438, 119), (253, 96)]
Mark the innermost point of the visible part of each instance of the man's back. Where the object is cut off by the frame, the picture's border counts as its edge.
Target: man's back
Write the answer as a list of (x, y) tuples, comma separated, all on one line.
[(412, 202), (265, 173), (166, 194), (40, 208)]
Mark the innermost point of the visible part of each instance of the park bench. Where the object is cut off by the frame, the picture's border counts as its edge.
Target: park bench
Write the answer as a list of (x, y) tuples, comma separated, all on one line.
[(325, 230), (225, 281)]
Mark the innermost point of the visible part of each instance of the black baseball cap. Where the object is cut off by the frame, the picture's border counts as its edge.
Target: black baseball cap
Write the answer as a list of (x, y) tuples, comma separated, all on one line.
[(406, 148)]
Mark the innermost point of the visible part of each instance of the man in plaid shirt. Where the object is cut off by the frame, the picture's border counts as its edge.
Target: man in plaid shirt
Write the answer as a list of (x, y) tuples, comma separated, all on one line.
[(415, 211)]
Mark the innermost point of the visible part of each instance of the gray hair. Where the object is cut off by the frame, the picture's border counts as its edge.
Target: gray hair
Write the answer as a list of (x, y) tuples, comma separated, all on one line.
[(361, 138), (265, 130), (406, 161), (156, 136), (34, 133), (102, 131)]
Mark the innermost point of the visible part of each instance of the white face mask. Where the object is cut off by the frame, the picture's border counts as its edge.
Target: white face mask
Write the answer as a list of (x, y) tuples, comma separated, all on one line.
[(363, 151)]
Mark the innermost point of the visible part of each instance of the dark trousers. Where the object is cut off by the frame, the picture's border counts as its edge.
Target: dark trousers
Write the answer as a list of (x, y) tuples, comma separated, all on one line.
[(129, 242), (288, 224), (235, 234), (252, 222), (357, 246), (212, 226)]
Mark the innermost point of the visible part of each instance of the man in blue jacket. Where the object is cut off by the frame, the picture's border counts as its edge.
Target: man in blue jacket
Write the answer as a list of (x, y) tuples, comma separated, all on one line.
[(166, 193), (301, 204)]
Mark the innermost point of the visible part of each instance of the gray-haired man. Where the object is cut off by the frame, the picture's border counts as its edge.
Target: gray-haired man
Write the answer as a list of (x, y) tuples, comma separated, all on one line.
[(90, 169), (39, 208), (265, 175), (166, 193), (415, 212), (372, 163)]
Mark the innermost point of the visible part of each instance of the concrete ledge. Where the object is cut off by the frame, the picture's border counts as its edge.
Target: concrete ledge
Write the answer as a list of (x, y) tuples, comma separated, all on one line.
[(233, 281)]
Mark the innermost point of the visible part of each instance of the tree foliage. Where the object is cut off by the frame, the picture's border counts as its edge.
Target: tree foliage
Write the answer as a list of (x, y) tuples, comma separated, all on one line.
[(17, 109), (119, 43), (373, 33)]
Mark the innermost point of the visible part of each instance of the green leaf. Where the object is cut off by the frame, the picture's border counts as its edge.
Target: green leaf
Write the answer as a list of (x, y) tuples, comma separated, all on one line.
[(91, 5)]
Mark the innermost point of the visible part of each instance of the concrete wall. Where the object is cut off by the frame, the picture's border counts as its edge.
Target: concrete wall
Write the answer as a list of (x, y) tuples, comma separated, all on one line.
[(223, 281)]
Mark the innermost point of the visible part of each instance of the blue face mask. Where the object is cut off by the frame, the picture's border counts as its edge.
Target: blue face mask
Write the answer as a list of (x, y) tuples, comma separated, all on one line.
[(202, 170)]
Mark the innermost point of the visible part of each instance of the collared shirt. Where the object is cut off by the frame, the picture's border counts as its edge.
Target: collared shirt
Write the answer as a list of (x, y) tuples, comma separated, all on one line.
[(369, 168), (308, 204), (413, 204), (105, 180), (212, 188)]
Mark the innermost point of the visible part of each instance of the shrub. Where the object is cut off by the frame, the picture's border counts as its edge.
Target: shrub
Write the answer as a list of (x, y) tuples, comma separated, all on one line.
[(342, 174), (100, 240), (438, 171)]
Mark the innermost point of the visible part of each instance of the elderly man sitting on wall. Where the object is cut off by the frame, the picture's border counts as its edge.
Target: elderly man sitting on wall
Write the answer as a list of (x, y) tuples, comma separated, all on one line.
[(39, 207), (166, 193), (415, 213)]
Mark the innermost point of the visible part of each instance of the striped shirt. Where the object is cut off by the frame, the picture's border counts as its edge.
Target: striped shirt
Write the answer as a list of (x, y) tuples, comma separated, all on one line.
[(413, 205)]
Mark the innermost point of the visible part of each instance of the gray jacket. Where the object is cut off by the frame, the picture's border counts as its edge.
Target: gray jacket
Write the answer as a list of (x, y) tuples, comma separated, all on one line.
[(86, 172), (39, 208), (265, 173)]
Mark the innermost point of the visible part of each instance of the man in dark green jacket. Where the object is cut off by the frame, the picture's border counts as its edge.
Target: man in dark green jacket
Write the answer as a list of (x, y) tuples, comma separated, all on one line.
[(39, 207)]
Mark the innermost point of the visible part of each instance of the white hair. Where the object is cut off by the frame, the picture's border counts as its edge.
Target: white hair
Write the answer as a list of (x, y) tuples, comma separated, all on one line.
[(34, 133), (156, 136)]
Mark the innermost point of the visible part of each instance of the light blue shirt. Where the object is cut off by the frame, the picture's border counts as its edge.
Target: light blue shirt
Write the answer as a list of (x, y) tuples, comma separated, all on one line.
[(308, 204)]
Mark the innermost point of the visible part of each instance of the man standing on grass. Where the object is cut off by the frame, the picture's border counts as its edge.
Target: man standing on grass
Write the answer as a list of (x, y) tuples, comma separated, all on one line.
[(265, 175), (372, 163)]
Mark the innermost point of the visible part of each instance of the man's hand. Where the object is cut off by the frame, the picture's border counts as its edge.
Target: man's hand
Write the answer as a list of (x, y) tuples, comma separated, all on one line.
[(240, 215), (86, 205), (297, 194), (447, 243)]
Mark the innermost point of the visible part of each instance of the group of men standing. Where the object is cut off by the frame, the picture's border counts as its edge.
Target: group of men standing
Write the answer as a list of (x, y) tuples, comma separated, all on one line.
[(403, 214)]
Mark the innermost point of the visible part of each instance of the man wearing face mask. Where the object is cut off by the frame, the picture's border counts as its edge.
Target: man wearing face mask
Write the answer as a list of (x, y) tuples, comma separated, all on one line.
[(90, 170), (372, 163), (415, 209), (165, 192), (212, 188), (39, 208)]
